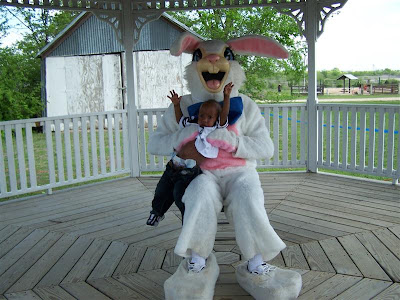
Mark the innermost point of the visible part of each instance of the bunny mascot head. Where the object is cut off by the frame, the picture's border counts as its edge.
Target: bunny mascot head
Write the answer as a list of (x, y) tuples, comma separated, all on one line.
[(230, 180)]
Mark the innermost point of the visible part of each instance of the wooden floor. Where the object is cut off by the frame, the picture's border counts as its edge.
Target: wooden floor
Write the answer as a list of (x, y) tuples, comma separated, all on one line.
[(343, 236)]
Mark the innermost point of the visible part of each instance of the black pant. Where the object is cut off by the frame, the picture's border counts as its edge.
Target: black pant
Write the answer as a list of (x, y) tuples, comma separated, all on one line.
[(171, 188)]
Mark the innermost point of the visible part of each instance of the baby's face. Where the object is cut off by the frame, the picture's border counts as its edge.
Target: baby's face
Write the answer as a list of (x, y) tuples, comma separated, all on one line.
[(208, 115)]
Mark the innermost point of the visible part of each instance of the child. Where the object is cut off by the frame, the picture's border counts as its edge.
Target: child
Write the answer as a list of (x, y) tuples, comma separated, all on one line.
[(179, 172)]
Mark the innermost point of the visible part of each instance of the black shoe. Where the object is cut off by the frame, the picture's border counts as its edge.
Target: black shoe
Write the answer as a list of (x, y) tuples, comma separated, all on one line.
[(153, 220)]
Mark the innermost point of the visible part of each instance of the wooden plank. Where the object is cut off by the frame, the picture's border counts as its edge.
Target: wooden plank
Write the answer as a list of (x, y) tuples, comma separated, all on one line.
[(331, 287), (65, 263), (382, 255), (25, 295), (82, 290), (345, 229), (313, 279), (153, 259), (87, 262), (14, 240), (8, 278), (130, 261), (294, 257), (362, 258), (171, 259), (229, 290), (114, 289), (316, 258), (278, 261), (158, 276), (44, 264), (139, 284), (7, 231), (52, 293), (226, 258), (391, 293), (389, 240), (396, 231), (19, 250), (339, 258), (364, 289), (110, 260)]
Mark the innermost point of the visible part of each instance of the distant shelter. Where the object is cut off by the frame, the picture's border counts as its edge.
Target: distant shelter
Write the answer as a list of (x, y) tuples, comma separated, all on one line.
[(349, 77)]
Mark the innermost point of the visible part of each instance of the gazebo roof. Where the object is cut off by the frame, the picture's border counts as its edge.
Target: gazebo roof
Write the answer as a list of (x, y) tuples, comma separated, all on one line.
[(347, 76)]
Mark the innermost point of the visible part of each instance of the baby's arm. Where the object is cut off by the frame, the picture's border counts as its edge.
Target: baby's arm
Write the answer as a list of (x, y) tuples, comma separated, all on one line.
[(176, 100), (223, 118)]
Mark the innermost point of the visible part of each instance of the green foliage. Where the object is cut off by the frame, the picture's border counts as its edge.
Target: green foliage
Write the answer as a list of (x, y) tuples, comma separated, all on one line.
[(225, 24), (20, 85)]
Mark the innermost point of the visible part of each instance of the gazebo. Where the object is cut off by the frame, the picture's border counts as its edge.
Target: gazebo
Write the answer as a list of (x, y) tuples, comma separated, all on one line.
[(350, 77), (91, 242)]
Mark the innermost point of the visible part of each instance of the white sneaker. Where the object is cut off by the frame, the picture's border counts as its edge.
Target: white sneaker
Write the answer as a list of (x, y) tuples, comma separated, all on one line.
[(262, 269), (195, 267)]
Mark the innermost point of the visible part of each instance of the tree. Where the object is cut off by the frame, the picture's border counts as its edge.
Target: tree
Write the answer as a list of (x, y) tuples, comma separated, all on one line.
[(20, 85), (225, 24)]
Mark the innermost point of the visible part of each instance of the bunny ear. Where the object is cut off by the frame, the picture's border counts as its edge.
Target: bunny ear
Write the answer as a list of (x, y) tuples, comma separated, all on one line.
[(258, 46), (187, 42)]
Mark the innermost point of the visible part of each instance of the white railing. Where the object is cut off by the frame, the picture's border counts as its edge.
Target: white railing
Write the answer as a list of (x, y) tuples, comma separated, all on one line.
[(72, 149), (87, 151), (359, 138), (287, 124)]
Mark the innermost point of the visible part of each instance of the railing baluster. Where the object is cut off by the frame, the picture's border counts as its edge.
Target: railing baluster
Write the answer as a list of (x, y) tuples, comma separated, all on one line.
[(117, 141), (336, 141), (150, 131), (381, 144), (320, 135), (50, 153), (390, 143), (276, 135), (362, 139), (3, 182), (125, 141), (345, 142), (142, 142), (285, 136), (303, 135), (101, 145), (77, 148), (328, 139), (294, 136), (59, 152), (21, 156), (85, 147), (31, 156), (10, 158), (353, 144), (111, 142), (371, 149), (93, 142), (68, 150)]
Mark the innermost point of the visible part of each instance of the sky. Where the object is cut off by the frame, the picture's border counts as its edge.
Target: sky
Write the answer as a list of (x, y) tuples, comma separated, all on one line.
[(364, 36)]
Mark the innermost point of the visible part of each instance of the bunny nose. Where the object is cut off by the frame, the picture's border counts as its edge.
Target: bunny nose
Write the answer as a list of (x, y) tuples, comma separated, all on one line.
[(213, 58)]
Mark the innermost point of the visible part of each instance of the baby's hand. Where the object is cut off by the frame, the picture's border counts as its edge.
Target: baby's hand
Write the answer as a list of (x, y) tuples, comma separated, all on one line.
[(228, 89), (175, 99)]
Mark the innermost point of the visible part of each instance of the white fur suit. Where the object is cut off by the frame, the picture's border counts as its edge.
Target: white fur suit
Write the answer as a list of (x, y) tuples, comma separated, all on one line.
[(231, 179)]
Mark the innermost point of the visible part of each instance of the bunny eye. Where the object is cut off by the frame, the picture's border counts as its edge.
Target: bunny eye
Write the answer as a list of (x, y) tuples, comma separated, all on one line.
[(197, 55), (228, 54)]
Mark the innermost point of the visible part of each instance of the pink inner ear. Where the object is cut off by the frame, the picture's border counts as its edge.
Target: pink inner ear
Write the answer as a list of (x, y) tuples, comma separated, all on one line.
[(189, 44), (258, 46)]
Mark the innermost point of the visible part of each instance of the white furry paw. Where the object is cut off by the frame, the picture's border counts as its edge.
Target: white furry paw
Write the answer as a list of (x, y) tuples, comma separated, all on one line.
[(275, 284), (188, 285)]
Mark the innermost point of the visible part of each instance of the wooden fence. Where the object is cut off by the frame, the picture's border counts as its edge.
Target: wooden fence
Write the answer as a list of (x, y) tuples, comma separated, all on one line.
[(385, 89)]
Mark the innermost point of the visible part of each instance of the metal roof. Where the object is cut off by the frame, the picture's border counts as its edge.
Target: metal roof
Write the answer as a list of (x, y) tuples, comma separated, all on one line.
[(347, 76)]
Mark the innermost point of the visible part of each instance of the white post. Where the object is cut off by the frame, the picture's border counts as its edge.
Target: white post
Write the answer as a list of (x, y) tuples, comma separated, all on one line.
[(128, 43), (312, 100)]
